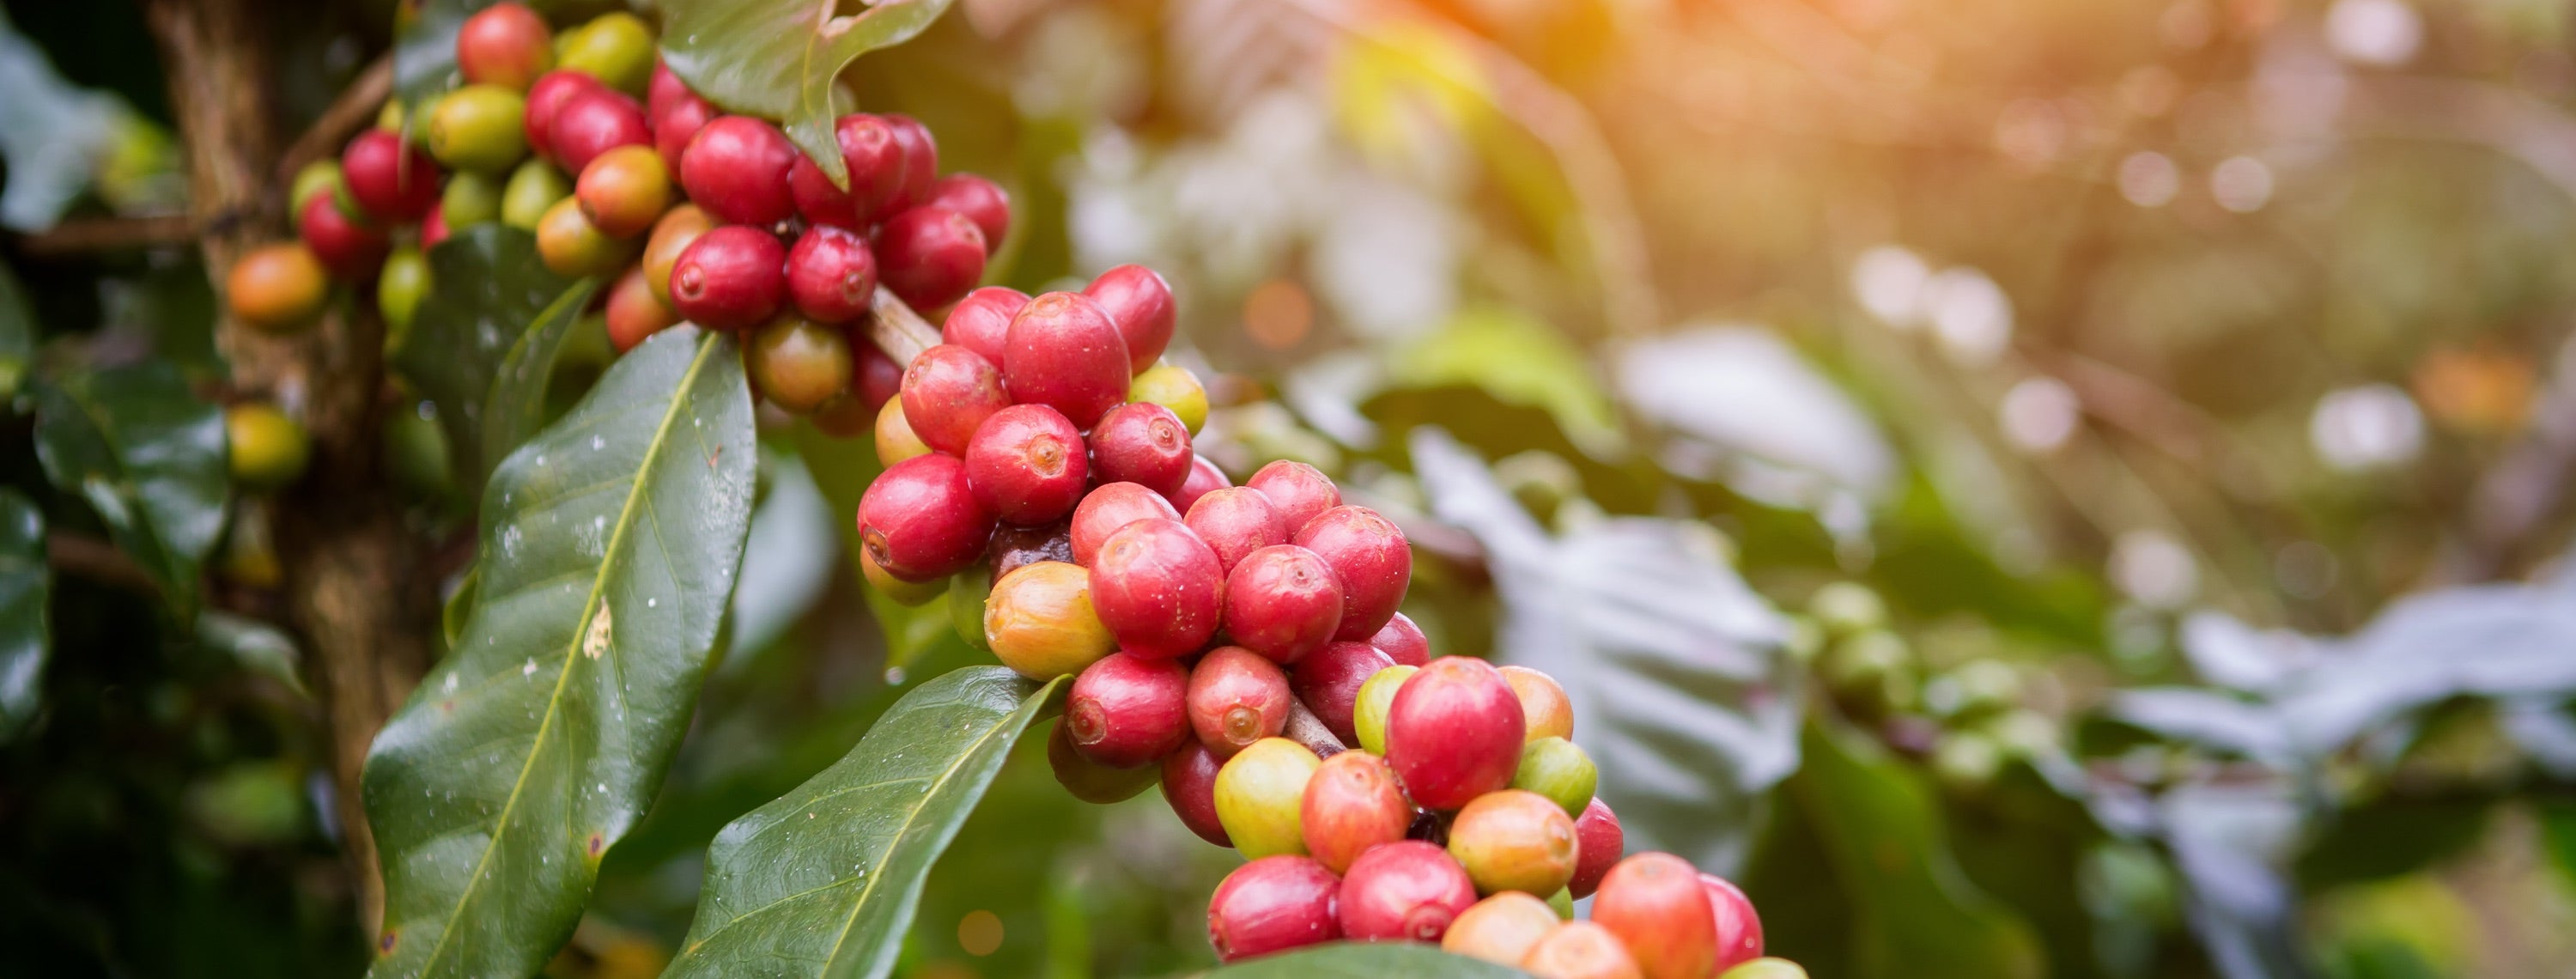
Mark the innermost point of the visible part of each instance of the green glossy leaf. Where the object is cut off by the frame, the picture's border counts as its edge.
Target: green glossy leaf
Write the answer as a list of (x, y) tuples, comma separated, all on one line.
[(149, 457), (452, 616), (17, 333), (1355, 960), (823, 881), (26, 628), (258, 646), (489, 286), (1520, 361), (779, 60), (609, 548), (516, 407)]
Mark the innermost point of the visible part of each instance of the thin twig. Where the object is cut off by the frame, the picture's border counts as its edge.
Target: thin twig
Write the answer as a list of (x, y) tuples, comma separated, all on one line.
[(352, 111), (897, 330), (89, 235), (97, 560)]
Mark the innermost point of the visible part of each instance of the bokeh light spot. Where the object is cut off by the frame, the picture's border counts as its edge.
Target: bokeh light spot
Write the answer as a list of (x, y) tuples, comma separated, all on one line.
[(2149, 179), (980, 932), (1278, 314)]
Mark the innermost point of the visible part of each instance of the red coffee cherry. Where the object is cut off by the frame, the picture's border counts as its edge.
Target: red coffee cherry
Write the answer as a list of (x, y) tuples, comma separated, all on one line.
[(1299, 491), (1407, 890), (1328, 682), (593, 122), (1106, 509), (919, 521), (1600, 844), (831, 274), (633, 313), (930, 256), (433, 229), (1403, 641), (1158, 588), (948, 392), (919, 154), (1454, 732), (1372, 559), (879, 377), (1544, 705), (1025, 463), (1014, 545), (1580, 950), (737, 167), (1088, 780), (1514, 840), (1283, 602), (876, 173), (1143, 443), (981, 201), (504, 44), (678, 228), (730, 278), (677, 124), (1655, 904), (1189, 785), (1127, 711), (1272, 905), (624, 191), (1236, 698), (1205, 478), (1351, 804), (663, 90), (1739, 929), (393, 183), (981, 322), (1140, 302), (546, 98), (1238, 520), (351, 251), (1062, 351)]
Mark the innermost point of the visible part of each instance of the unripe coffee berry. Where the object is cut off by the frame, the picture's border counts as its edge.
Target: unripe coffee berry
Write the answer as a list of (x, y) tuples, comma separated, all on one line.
[(534, 186), (1299, 491), (1062, 351), (1189, 785), (1158, 588), (546, 99), (831, 274), (571, 246), (981, 321), (798, 364), (676, 126), (1407, 890), (1039, 619), (278, 288), (1580, 950), (1560, 770), (921, 523), (948, 392), (1368, 711), (1766, 968), (672, 234), (1543, 702), (1106, 509), (1258, 795), (1174, 387), (264, 449), (401, 284), (895, 439), (1514, 841), (731, 278), (1328, 682), (1127, 711), (594, 122), (931, 256), (470, 198), (479, 127), (505, 44), (1237, 698), (1404, 642), (615, 47), (1088, 780), (1739, 929), (1600, 844), (633, 313), (1351, 804), (1026, 463), (350, 251), (1372, 559), (624, 191), (909, 594), (1500, 929), (1655, 904), (1142, 443), (1205, 478), (1453, 732), (395, 183), (737, 167), (1282, 602), (1236, 521), (1140, 302), (1272, 905), (320, 178), (981, 201)]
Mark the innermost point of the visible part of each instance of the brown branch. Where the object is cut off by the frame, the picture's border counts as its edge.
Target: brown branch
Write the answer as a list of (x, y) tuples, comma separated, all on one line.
[(97, 560), (88, 235), (354, 110), (897, 330)]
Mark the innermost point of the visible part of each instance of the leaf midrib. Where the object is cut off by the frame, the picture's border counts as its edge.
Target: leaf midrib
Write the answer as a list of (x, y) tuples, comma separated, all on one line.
[(563, 677)]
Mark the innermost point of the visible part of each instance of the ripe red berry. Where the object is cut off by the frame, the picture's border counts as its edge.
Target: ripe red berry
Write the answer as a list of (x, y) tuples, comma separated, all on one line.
[(919, 521), (546, 98), (1655, 904), (875, 170), (1739, 929), (919, 154), (1158, 588), (1235, 699), (1238, 520), (633, 313), (349, 250), (1014, 545), (1140, 302), (931, 256), (1205, 478), (392, 182), (982, 321), (1544, 706), (1299, 491), (730, 278), (677, 124), (948, 392), (1282, 602), (1403, 641), (1580, 950), (433, 229), (737, 167), (1088, 780), (981, 201), (831, 275), (1328, 682), (1272, 905), (624, 191), (593, 122), (1143, 443), (1407, 890), (1599, 845), (879, 377), (1372, 559), (1454, 732), (1352, 804), (1189, 785), (504, 44), (663, 89), (1126, 711), (1514, 840), (1106, 509), (1025, 463), (1062, 351)]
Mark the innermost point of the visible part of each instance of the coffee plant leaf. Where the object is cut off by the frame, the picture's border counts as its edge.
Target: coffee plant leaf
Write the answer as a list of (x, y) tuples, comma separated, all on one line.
[(487, 287), (609, 547), (515, 408), (824, 881), (1369, 960), (17, 334), (782, 60), (148, 456), (26, 631)]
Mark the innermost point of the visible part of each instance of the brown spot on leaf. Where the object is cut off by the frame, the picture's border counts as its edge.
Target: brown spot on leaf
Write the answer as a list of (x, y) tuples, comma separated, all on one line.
[(596, 642), (597, 844), (385, 945)]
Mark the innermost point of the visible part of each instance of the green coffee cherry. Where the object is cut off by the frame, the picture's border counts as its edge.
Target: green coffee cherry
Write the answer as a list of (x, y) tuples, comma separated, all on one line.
[(267, 450), (1873, 668), (390, 118), (479, 127), (1766, 968), (1562, 902), (616, 48), (399, 288), (1174, 387), (1967, 760), (1560, 770), (470, 198), (416, 451), (966, 605), (1368, 713), (1259, 795), (317, 177), (535, 186), (1847, 607)]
